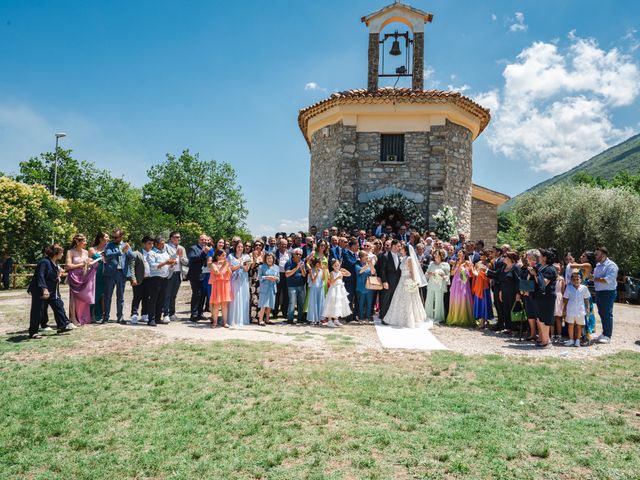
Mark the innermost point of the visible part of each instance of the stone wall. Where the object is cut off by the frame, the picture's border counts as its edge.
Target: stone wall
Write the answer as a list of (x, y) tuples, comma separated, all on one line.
[(484, 222), (345, 163)]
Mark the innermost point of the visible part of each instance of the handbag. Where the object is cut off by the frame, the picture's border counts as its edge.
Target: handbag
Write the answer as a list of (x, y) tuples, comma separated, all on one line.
[(519, 315), (373, 283), (526, 285)]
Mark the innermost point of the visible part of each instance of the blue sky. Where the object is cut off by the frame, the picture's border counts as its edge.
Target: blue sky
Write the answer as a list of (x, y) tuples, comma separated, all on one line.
[(131, 81)]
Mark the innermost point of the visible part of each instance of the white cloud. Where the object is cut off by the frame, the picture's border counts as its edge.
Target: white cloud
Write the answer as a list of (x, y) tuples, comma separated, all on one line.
[(555, 107), (462, 88), (293, 225), (288, 225), (23, 133), (314, 87), (430, 77), (490, 99), (632, 40), (494, 17), (518, 24)]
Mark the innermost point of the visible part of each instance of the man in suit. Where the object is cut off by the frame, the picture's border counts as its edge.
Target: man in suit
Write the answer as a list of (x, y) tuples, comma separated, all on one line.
[(7, 269), (494, 274), (403, 234), (349, 259), (197, 256), (117, 255), (335, 251), (389, 271), (138, 272)]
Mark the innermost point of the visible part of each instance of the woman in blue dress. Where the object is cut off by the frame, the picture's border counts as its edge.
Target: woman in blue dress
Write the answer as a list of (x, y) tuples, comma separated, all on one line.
[(240, 299), (315, 292), (268, 276)]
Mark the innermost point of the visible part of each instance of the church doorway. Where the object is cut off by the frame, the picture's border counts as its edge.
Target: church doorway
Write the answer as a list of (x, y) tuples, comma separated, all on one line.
[(392, 216)]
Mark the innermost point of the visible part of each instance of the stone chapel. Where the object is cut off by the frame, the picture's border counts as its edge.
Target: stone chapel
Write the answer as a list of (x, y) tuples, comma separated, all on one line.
[(369, 143)]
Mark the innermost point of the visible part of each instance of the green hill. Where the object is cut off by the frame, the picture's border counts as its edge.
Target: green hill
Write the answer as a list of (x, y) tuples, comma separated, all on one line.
[(622, 157)]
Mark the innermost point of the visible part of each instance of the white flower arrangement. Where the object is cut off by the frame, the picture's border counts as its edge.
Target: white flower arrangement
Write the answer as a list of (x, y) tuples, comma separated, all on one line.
[(410, 286)]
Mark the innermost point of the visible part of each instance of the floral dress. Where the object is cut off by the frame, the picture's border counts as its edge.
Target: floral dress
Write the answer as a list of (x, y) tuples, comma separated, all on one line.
[(254, 286)]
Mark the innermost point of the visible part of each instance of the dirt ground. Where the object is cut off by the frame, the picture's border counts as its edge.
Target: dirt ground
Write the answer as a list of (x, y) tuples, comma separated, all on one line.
[(14, 312)]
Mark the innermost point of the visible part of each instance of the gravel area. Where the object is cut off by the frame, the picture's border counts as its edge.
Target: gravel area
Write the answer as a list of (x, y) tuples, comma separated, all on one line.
[(355, 336)]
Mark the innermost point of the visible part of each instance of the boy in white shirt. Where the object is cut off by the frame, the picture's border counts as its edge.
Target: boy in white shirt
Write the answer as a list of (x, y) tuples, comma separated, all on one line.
[(576, 305)]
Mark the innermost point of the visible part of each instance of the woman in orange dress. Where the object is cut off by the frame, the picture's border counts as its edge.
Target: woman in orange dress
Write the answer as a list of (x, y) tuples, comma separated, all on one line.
[(220, 281)]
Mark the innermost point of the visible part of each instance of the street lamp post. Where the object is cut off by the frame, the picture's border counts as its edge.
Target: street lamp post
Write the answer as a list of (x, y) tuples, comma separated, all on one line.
[(55, 164)]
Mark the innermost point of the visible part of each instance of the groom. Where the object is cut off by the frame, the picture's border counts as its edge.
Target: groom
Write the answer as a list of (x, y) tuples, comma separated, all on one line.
[(389, 270)]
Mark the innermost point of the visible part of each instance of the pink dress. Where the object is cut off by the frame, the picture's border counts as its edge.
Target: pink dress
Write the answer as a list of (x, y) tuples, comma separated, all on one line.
[(82, 289)]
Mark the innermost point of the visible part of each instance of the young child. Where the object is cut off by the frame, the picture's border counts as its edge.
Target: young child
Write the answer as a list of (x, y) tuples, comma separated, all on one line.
[(576, 305), (316, 291), (336, 303), (560, 286)]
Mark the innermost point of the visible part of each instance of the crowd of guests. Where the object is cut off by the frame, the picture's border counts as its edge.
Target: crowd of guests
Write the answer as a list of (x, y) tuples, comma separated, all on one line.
[(325, 278)]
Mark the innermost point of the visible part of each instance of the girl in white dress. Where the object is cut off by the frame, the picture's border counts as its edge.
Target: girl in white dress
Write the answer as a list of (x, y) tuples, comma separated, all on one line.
[(336, 303)]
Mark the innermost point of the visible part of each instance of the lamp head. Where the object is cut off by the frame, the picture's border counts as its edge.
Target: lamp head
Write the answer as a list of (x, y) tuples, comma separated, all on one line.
[(61, 135)]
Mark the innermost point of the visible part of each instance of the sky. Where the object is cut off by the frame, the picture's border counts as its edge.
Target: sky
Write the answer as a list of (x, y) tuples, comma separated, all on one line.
[(130, 82)]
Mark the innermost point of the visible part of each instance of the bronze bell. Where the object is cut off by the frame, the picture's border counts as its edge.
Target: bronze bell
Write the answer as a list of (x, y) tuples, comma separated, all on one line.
[(395, 48)]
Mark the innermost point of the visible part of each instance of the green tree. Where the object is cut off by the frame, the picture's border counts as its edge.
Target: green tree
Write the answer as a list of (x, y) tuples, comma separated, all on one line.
[(511, 231), (583, 217), (78, 180), (621, 179), (199, 192), (30, 218)]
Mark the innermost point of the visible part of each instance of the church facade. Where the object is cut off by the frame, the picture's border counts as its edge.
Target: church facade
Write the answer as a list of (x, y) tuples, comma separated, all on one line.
[(367, 144)]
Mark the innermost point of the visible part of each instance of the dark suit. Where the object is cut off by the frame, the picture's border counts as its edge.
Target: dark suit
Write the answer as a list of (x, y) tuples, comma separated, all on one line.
[(349, 260), (136, 272), (390, 274), (46, 276), (7, 269), (197, 260), (494, 274)]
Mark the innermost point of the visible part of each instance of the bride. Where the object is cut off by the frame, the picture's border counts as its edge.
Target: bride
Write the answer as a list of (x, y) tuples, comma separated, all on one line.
[(406, 309)]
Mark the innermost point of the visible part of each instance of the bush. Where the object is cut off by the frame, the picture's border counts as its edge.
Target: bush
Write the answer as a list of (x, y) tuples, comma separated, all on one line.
[(30, 218)]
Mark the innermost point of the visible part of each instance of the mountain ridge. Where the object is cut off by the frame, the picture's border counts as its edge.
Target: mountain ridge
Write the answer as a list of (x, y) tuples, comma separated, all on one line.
[(625, 156)]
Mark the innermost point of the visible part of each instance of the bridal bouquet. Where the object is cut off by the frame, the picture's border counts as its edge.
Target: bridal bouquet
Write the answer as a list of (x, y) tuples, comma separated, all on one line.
[(410, 286)]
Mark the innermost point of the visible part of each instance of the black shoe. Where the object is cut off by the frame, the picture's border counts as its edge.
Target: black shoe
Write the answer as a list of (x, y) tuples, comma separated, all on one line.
[(152, 323), (194, 319), (201, 317), (383, 322)]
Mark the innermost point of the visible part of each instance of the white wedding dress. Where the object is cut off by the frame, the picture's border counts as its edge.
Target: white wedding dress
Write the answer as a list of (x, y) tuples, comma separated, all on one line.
[(406, 309)]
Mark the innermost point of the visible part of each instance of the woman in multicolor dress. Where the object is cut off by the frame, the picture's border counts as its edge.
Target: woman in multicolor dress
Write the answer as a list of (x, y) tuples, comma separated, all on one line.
[(481, 290), (460, 298)]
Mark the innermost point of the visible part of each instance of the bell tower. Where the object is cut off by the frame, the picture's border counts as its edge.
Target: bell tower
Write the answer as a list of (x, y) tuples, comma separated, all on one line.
[(413, 40)]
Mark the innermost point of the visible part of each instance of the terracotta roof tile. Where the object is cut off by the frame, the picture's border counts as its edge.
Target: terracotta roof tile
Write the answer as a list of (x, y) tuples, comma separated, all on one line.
[(387, 95)]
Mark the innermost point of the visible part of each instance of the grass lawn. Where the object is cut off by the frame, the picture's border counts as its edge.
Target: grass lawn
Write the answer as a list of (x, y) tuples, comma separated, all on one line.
[(256, 410)]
